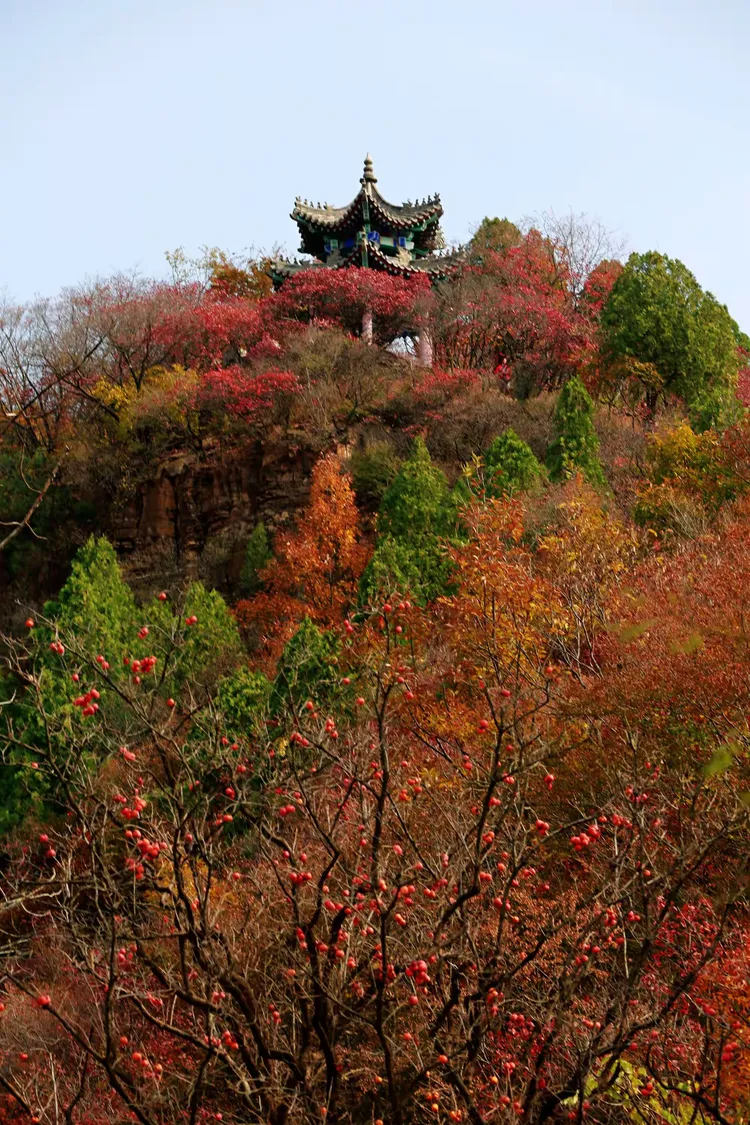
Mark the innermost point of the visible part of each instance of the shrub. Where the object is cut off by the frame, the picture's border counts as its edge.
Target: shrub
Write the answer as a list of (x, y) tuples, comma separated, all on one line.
[(690, 476)]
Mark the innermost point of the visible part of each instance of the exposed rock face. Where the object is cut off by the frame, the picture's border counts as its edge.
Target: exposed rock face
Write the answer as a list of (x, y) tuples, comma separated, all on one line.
[(194, 515)]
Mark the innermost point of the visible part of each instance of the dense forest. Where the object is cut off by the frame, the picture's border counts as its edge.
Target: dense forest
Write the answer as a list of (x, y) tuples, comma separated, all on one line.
[(375, 737)]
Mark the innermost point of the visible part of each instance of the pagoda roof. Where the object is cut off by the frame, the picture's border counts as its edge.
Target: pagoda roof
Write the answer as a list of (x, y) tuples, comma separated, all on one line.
[(402, 216), (434, 266), (283, 268), (340, 237)]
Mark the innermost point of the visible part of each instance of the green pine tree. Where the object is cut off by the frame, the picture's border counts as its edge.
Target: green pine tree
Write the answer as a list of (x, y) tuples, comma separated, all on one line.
[(95, 619), (417, 503), (215, 647), (96, 612), (510, 466), (373, 470), (576, 445), (95, 605), (242, 700), (417, 513), (257, 553), (308, 669), (423, 570)]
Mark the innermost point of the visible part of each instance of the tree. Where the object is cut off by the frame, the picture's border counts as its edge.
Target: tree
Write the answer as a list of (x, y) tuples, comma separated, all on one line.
[(579, 245), (247, 278), (514, 313), (471, 887), (585, 551), (308, 669), (576, 445), (416, 503), (657, 314), (510, 466), (95, 604), (494, 235), (22, 478), (322, 560), (242, 701), (250, 396), (397, 567), (258, 554), (343, 296), (222, 275), (690, 477), (373, 470), (205, 653), (316, 568), (416, 513), (94, 627)]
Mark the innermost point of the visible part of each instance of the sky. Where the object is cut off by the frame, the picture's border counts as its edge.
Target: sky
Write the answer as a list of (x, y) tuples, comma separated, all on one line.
[(133, 127)]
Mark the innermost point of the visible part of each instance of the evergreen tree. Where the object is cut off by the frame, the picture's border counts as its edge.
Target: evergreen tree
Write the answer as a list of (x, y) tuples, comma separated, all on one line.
[(97, 609), (658, 314), (576, 445), (95, 612), (416, 514), (257, 553), (214, 647), (373, 470), (308, 669), (510, 466), (422, 571), (416, 504), (242, 700), (95, 605)]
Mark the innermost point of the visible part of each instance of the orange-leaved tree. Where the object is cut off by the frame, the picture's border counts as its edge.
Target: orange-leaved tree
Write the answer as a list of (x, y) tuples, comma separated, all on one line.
[(316, 568)]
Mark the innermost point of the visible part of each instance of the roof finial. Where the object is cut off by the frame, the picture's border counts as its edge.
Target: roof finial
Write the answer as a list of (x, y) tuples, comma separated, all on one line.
[(369, 176)]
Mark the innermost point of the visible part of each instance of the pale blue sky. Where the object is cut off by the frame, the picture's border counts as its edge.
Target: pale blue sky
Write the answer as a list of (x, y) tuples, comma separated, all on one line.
[(130, 127)]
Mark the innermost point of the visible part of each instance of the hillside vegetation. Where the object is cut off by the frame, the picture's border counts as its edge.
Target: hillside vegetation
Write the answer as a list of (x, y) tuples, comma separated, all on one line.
[(428, 801)]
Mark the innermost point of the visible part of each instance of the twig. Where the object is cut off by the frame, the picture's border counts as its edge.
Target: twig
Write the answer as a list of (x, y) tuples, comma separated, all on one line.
[(19, 525)]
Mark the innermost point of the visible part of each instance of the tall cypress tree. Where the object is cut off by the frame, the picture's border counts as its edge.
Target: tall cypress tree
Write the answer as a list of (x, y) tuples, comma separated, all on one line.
[(576, 445), (416, 513)]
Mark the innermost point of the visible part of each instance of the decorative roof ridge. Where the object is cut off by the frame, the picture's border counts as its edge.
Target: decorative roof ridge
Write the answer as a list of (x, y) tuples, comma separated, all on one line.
[(408, 212), (444, 263), (325, 216)]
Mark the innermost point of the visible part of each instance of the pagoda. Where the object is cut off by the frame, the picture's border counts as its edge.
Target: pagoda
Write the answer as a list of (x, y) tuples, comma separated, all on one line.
[(400, 239)]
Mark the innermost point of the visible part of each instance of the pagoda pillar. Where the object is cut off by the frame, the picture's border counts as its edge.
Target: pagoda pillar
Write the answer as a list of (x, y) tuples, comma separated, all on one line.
[(424, 348), (367, 326)]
